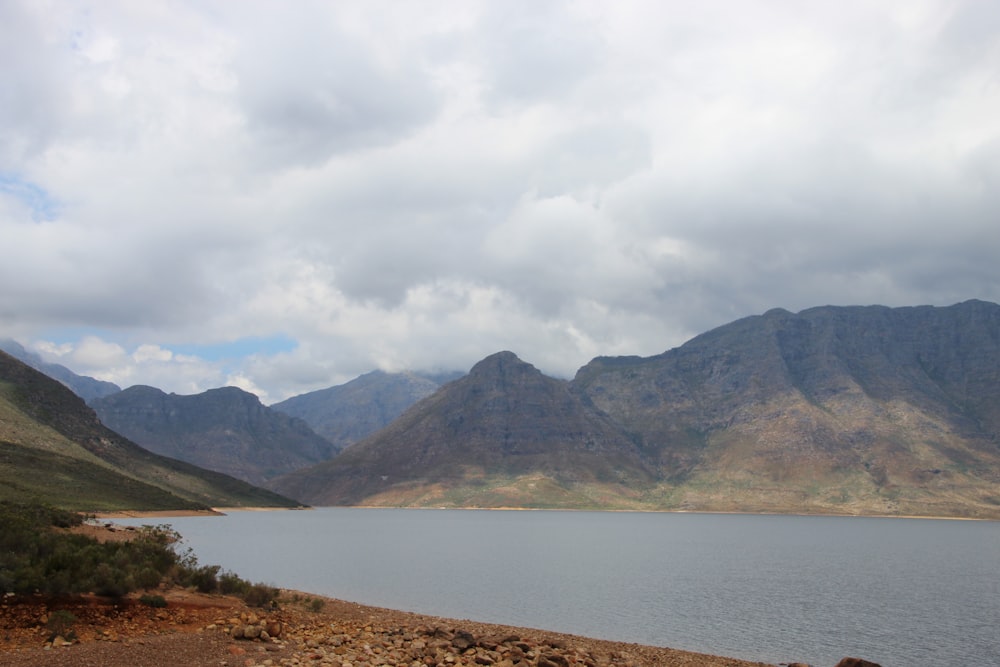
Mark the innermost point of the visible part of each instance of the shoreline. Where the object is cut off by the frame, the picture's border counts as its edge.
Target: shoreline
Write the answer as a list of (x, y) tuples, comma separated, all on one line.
[(213, 511), (203, 630), (222, 511)]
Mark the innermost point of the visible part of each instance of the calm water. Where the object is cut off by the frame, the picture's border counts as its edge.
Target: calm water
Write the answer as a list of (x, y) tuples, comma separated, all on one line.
[(900, 592)]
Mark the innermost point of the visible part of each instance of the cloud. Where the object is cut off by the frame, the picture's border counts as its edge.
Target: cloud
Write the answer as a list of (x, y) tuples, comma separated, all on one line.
[(287, 198), (308, 88)]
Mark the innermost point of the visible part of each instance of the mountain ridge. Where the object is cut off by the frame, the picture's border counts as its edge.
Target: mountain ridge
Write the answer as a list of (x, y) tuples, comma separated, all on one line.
[(346, 413), (849, 410), (53, 448), (225, 429), (83, 386), (499, 413)]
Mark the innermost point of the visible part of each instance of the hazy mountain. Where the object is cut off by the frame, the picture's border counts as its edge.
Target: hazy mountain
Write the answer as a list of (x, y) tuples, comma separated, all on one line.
[(227, 430), (83, 386), (54, 449), (349, 412), (834, 409)]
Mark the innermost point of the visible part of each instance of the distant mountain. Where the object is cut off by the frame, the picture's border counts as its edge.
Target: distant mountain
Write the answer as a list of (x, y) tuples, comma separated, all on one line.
[(54, 449), (227, 430), (504, 435), (349, 412), (83, 386), (854, 410)]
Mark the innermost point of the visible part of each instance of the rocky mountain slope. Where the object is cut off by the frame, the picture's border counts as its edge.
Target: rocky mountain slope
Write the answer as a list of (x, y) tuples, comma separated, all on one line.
[(83, 386), (857, 410), (54, 449), (863, 409), (227, 430), (504, 435), (349, 412)]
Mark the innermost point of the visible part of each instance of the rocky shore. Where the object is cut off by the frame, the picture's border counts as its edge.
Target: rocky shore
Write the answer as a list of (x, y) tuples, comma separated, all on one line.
[(196, 630)]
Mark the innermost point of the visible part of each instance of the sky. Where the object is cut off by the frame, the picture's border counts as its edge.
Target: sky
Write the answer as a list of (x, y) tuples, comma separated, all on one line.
[(282, 196)]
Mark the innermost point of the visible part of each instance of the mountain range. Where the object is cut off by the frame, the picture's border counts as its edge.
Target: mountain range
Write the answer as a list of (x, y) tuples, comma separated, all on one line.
[(349, 412), (227, 430), (54, 449), (843, 410), (848, 410)]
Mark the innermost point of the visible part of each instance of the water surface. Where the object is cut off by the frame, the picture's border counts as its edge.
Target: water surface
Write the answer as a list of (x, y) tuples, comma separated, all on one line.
[(900, 592)]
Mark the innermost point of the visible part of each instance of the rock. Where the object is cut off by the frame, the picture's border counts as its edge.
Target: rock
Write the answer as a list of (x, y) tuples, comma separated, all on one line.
[(463, 640), (274, 628), (552, 660), (251, 632), (857, 662)]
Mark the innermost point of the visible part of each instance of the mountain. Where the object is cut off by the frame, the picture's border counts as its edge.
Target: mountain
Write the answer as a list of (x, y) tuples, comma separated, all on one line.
[(505, 434), (54, 449), (838, 409), (83, 386), (847, 410), (227, 430), (349, 412)]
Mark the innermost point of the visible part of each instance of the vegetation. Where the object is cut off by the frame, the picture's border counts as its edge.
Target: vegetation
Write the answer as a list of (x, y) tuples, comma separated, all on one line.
[(60, 624), (72, 483), (37, 557), (53, 449)]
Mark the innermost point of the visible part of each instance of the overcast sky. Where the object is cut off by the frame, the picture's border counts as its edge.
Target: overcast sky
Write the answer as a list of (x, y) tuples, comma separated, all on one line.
[(284, 195)]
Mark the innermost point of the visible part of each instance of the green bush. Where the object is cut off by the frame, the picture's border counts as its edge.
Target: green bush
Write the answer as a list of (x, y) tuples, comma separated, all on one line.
[(260, 595), (153, 600), (205, 578), (231, 584), (34, 558)]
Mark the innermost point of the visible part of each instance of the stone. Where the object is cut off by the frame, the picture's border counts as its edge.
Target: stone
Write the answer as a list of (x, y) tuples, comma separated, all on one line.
[(857, 662)]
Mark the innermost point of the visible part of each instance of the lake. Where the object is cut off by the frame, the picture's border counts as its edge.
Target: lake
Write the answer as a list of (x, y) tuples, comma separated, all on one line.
[(900, 592)]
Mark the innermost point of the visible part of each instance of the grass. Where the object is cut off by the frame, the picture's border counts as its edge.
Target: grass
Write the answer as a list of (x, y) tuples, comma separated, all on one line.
[(75, 484)]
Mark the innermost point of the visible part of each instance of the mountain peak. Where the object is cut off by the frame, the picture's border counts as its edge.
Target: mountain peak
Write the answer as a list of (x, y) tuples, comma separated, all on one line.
[(503, 363)]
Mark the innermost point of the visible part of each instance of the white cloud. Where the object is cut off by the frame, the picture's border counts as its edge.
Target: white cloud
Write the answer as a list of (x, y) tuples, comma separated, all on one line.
[(419, 185)]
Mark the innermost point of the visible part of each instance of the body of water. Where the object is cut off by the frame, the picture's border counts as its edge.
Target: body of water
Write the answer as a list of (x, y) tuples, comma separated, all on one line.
[(900, 592)]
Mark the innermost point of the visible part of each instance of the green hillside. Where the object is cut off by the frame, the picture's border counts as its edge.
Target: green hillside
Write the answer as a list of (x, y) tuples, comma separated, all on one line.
[(53, 449)]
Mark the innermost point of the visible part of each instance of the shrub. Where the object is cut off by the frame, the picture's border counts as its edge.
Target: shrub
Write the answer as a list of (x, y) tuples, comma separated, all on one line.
[(261, 595), (60, 624), (231, 584), (205, 578), (36, 559), (153, 600)]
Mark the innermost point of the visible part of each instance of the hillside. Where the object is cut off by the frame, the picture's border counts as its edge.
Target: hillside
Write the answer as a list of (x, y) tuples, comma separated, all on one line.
[(227, 430), (856, 410), (54, 449), (349, 412), (504, 435), (83, 386), (853, 410)]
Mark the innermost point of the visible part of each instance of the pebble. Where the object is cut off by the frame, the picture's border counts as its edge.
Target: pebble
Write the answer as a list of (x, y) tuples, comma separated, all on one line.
[(347, 645)]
